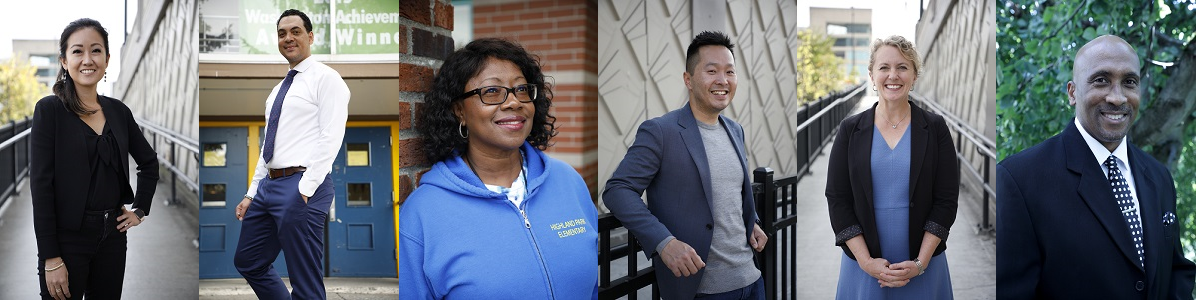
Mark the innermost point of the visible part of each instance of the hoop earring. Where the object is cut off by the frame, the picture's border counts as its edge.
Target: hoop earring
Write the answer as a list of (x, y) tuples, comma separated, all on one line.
[(461, 131)]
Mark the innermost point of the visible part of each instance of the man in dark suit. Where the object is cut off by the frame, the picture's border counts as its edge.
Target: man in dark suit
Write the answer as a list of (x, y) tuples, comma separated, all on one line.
[(699, 220), (1085, 214)]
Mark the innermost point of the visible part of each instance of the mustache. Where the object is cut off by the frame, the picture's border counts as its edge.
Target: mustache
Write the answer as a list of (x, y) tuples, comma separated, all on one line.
[(1110, 108)]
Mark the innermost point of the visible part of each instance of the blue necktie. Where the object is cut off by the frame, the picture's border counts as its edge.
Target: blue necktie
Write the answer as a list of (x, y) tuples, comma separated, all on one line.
[(275, 112), (1125, 201)]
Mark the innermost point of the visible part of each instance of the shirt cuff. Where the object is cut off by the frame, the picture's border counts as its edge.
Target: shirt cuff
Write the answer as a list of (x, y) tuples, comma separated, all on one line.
[(664, 242), (851, 232), (937, 230)]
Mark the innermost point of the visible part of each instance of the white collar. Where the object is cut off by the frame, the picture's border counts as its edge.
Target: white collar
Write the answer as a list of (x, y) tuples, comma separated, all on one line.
[(1099, 151)]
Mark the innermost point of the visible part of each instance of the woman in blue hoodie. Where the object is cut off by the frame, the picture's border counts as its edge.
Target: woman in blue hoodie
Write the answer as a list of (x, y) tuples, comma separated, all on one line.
[(495, 218)]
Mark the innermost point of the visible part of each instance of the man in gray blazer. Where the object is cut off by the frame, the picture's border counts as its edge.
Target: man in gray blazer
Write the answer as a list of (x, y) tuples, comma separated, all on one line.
[(699, 220)]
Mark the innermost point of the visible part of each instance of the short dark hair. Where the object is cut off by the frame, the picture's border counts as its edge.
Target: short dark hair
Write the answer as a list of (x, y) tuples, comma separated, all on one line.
[(295, 12), (706, 38), (437, 122), (64, 86)]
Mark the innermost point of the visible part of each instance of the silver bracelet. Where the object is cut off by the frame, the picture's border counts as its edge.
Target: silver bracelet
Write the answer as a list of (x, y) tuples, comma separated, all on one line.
[(921, 268)]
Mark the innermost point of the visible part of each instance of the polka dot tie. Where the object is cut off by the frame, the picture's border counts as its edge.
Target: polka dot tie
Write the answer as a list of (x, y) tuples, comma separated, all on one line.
[(275, 113), (1125, 201)]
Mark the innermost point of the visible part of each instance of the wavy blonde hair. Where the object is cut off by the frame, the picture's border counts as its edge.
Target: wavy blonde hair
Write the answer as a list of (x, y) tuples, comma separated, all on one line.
[(905, 46)]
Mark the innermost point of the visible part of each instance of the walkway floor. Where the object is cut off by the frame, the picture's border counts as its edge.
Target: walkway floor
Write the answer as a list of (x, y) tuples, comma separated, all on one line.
[(162, 257), (971, 255)]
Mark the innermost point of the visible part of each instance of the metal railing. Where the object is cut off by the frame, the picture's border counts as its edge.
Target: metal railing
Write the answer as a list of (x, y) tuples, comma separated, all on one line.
[(14, 157), (157, 134), (980, 171), (821, 120)]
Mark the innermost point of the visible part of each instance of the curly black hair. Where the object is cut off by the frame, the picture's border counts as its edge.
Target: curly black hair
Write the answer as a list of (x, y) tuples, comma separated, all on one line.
[(436, 121)]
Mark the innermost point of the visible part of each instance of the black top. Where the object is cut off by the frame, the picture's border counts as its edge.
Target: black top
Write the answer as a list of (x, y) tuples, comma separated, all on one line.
[(104, 191)]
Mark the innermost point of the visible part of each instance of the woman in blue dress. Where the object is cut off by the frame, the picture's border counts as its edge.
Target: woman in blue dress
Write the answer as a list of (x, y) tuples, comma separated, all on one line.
[(893, 188)]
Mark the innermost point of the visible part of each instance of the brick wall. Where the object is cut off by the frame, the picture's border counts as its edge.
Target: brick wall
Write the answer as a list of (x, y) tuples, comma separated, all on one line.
[(564, 34), (425, 41)]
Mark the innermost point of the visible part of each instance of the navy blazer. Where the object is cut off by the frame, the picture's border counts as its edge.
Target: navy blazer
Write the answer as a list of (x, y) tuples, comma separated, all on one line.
[(933, 181), (1061, 234), (668, 159), (59, 173)]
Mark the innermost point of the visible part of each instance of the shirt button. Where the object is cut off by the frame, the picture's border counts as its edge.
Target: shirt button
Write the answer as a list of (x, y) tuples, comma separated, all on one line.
[(709, 227), (1139, 285)]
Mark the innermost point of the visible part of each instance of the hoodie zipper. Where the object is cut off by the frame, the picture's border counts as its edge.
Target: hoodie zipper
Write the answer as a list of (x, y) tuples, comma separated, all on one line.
[(528, 225)]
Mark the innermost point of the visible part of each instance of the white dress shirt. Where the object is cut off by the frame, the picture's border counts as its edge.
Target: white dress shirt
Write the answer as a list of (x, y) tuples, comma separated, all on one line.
[(311, 126), (1122, 153)]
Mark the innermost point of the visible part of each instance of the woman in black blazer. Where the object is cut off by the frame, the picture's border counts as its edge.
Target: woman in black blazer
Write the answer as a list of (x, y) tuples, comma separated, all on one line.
[(79, 174), (893, 188)]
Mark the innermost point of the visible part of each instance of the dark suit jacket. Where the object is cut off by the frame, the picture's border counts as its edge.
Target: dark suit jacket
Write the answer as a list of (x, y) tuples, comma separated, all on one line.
[(60, 174), (933, 181), (668, 159), (1061, 234)]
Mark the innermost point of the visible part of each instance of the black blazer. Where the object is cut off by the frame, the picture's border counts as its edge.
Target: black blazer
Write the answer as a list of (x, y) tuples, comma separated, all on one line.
[(933, 181), (1061, 234), (60, 174)]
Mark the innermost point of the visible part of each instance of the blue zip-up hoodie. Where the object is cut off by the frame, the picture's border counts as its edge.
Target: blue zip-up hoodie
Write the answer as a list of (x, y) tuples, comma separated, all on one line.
[(459, 240)]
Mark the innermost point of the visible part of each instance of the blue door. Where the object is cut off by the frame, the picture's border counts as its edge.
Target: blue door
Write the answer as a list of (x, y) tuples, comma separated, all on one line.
[(223, 174), (361, 238)]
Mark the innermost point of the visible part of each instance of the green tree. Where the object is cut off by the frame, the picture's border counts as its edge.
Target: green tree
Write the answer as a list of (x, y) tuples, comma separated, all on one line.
[(19, 89), (818, 69), (1036, 43)]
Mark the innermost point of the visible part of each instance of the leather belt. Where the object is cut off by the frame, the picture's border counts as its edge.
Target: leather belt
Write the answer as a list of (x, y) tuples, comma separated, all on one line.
[(284, 172), (100, 215)]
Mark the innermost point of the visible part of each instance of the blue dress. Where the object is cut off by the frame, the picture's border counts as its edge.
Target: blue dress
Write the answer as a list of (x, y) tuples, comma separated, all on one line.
[(890, 185)]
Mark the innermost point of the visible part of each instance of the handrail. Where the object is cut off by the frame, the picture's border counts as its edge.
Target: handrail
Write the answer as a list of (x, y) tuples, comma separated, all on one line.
[(174, 139), (13, 140), (828, 108)]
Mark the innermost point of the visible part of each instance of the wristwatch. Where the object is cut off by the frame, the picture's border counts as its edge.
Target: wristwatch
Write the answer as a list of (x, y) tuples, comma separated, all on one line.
[(140, 214)]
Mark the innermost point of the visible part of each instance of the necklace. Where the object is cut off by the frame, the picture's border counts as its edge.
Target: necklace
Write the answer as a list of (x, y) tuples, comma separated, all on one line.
[(894, 126)]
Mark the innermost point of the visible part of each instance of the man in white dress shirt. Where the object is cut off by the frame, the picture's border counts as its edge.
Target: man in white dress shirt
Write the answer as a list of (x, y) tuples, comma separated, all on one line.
[(289, 197)]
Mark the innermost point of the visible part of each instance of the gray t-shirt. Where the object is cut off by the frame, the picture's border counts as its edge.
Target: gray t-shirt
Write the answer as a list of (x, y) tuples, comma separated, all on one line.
[(729, 265)]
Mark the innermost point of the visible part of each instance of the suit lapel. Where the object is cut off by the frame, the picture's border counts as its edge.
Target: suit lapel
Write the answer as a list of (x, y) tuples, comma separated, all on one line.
[(1094, 189), (1149, 212), (861, 155), (918, 138), (692, 136)]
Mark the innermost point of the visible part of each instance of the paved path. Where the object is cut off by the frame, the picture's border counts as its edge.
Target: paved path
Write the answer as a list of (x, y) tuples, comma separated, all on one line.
[(162, 257)]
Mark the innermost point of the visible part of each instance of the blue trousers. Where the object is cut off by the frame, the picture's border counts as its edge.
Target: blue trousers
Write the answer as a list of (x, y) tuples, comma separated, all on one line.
[(278, 220)]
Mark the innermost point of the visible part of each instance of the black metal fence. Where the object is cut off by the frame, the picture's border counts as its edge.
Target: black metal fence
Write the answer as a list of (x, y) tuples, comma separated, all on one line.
[(178, 147), (14, 157), (775, 205)]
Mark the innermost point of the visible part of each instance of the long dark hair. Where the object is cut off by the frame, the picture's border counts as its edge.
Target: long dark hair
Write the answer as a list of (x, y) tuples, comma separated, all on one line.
[(438, 124), (64, 86)]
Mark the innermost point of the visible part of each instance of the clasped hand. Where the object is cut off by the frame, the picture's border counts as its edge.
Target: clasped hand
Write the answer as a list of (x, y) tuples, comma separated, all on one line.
[(890, 275)]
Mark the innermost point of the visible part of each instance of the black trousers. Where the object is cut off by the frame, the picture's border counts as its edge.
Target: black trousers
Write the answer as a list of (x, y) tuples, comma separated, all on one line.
[(94, 257)]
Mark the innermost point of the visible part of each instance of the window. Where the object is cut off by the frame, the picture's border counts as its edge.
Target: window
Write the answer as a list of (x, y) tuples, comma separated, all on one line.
[(358, 194), (357, 154), (213, 194), (213, 154)]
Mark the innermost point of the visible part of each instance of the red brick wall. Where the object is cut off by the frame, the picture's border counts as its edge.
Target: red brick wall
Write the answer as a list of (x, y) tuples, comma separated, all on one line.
[(564, 34), (424, 43)]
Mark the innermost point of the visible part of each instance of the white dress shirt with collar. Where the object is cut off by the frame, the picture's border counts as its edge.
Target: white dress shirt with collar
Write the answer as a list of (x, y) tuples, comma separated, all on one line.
[(1122, 153), (311, 126)]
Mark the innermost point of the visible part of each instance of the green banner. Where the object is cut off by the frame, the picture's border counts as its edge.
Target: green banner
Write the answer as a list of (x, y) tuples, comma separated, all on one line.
[(250, 26)]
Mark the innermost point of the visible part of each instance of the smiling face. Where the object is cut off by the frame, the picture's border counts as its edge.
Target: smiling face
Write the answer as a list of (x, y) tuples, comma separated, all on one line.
[(294, 41), (712, 82), (500, 127), (86, 59), (892, 73), (1104, 89)]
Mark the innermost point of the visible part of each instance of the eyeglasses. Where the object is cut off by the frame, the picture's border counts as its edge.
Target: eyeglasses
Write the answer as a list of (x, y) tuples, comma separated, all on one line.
[(494, 95)]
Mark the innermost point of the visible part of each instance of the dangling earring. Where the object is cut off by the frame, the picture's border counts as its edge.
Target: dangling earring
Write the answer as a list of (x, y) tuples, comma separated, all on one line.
[(873, 87), (461, 131)]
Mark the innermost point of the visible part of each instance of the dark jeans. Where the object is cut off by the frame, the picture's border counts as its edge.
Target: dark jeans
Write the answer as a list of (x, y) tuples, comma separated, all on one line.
[(94, 257), (752, 291)]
